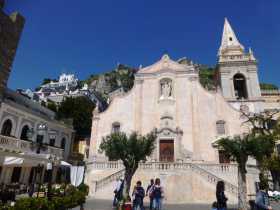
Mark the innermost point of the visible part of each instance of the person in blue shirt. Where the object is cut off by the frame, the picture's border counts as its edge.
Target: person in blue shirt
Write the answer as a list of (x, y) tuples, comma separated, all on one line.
[(157, 194), (262, 200), (149, 193), (138, 194)]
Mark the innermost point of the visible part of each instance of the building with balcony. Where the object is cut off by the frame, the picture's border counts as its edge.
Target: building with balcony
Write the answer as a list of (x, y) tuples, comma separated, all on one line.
[(30, 135)]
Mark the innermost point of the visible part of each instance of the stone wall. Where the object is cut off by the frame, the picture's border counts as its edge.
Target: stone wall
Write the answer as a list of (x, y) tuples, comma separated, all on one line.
[(10, 32)]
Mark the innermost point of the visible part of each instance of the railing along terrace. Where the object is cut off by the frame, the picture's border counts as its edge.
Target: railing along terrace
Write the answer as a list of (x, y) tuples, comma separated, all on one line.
[(164, 165), (206, 171), (13, 144), (109, 179), (219, 168), (270, 92), (214, 179), (106, 165)]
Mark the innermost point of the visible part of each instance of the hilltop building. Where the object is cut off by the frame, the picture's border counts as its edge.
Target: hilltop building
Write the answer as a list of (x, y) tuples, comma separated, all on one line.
[(168, 97), (66, 86)]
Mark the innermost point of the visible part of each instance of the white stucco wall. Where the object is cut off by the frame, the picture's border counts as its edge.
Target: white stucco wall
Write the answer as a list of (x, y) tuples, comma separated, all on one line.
[(192, 110)]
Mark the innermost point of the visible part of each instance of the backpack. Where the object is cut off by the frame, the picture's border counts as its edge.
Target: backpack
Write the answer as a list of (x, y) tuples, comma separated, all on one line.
[(120, 192), (150, 191), (157, 192)]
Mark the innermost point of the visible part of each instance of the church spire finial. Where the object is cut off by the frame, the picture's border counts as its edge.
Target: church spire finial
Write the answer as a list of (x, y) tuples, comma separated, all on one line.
[(229, 40)]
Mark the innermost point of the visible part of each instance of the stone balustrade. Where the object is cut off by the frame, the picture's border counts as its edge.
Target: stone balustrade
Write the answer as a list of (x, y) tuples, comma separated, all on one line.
[(18, 145), (270, 92), (226, 58), (109, 179), (105, 165), (207, 171), (211, 178), (164, 166), (219, 168)]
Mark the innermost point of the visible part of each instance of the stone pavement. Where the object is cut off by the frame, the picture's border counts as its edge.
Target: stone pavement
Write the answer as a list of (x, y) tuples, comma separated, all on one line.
[(97, 204), (94, 204)]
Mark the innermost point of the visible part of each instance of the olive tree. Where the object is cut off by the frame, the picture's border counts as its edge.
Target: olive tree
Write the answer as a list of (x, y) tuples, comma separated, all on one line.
[(239, 148), (130, 149)]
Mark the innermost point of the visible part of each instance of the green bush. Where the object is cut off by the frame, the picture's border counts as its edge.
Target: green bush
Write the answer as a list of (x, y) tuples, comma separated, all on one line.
[(33, 204), (84, 188), (74, 197)]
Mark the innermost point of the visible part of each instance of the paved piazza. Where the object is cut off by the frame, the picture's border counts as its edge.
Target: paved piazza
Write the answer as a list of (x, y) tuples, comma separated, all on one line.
[(93, 204), (98, 204)]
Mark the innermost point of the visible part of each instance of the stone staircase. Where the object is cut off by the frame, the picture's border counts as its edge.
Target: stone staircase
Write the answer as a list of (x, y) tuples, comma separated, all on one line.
[(194, 177)]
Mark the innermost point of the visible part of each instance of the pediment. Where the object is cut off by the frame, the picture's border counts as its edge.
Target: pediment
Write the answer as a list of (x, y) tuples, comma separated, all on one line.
[(164, 64)]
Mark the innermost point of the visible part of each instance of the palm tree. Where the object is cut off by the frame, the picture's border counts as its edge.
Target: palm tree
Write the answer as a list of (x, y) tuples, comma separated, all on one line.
[(130, 150)]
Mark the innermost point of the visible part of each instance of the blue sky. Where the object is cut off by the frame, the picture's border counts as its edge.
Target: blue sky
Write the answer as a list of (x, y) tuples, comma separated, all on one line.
[(89, 36)]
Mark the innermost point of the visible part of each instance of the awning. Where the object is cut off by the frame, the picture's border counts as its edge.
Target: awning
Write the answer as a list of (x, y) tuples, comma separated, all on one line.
[(64, 163), (19, 161), (13, 161)]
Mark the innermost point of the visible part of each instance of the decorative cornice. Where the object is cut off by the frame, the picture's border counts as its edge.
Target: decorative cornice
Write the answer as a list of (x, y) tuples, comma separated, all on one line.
[(174, 131), (236, 63)]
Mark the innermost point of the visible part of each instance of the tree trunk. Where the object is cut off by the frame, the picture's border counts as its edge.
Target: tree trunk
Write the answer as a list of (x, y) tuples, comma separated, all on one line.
[(127, 181), (242, 189), (275, 178)]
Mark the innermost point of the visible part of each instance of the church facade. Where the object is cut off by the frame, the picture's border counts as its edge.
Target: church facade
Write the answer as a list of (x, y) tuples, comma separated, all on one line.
[(168, 97)]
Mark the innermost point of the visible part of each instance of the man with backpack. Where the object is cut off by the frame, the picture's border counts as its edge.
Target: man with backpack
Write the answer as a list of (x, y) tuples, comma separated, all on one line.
[(157, 194), (149, 193)]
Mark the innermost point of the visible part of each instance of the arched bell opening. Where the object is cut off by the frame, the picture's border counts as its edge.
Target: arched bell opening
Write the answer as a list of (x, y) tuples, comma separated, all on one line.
[(240, 86)]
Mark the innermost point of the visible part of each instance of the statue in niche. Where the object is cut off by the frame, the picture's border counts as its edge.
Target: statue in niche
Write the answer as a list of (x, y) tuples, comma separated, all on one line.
[(166, 89)]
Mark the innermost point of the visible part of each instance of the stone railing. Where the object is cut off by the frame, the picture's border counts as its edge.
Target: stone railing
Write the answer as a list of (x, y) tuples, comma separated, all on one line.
[(164, 166), (225, 58), (109, 179), (206, 171), (219, 168), (55, 151), (210, 177), (105, 165), (270, 92), (18, 145)]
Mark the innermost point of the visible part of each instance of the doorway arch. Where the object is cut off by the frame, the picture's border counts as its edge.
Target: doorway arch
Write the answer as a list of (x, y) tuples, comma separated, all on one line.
[(24, 132), (7, 128)]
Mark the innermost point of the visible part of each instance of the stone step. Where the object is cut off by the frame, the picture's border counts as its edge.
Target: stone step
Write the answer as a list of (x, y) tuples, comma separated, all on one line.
[(180, 187)]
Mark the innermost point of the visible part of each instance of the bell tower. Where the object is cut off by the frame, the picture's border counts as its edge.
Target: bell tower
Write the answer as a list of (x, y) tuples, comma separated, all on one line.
[(238, 72)]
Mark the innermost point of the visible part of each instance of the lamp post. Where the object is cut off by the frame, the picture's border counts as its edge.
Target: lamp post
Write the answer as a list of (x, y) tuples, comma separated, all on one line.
[(41, 131), (49, 176), (38, 146)]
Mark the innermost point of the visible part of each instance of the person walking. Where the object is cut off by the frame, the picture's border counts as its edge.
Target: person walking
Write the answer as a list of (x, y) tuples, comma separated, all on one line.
[(149, 193), (138, 194), (262, 200), (220, 195), (117, 192), (157, 194)]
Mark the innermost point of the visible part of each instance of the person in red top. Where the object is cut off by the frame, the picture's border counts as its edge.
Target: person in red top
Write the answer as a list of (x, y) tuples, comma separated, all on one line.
[(128, 204)]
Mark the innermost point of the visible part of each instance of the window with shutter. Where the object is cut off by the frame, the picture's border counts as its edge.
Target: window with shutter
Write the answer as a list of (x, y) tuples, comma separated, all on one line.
[(220, 126)]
